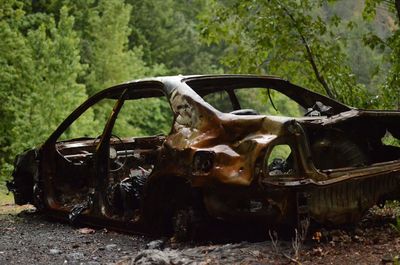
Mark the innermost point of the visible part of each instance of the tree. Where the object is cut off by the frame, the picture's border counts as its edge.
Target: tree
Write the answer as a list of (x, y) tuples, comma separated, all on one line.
[(111, 60), (168, 32), (15, 75), (390, 91), (285, 38), (40, 63)]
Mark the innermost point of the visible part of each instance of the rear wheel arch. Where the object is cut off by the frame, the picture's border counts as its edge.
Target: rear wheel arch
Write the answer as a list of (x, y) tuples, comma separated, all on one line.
[(165, 200)]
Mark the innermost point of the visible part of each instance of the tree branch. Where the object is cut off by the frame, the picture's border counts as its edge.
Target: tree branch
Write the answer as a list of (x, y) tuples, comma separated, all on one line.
[(310, 55)]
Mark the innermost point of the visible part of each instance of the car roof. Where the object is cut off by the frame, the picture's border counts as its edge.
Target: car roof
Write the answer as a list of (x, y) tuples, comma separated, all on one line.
[(205, 84), (171, 82)]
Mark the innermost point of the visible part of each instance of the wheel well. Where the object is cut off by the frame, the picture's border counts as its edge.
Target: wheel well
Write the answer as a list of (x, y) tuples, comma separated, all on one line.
[(334, 149), (162, 197)]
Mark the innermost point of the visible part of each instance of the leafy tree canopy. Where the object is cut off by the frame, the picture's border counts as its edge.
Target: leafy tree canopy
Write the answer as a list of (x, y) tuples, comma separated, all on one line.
[(293, 39)]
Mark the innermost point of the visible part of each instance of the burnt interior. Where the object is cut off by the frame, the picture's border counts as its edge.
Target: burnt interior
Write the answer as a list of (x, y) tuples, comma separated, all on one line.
[(134, 161)]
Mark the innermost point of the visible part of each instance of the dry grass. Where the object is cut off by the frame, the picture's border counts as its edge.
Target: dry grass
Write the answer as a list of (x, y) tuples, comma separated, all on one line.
[(12, 209), (5, 198), (7, 206)]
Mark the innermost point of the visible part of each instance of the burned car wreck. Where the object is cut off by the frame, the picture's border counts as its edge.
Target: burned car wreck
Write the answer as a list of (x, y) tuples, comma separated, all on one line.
[(221, 158)]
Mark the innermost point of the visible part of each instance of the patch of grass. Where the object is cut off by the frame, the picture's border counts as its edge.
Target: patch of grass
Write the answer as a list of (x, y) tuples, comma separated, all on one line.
[(7, 210), (4, 197), (7, 206), (396, 226)]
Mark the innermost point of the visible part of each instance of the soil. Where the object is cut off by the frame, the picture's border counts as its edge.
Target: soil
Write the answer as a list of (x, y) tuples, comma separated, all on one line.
[(26, 237)]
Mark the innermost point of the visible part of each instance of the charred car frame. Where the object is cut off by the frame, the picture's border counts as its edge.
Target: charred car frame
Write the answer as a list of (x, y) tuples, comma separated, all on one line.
[(330, 164)]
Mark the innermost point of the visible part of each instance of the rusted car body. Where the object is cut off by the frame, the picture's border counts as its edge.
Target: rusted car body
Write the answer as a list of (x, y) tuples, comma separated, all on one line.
[(217, 164)]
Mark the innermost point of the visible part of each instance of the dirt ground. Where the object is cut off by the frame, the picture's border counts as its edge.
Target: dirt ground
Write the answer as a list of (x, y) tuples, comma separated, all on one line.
[(28, 238)]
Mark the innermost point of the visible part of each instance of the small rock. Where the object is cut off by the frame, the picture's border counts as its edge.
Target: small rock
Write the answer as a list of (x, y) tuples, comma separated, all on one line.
[(376, 240), (387, 258), (207, 262), (357, 239), (346, 238), (86, 230), (317, 251), (150, 256), (55, 251), (74, 256), (256, 253), (358, 232), (111, 247), (155, 244), (336, 232), (335, 239)]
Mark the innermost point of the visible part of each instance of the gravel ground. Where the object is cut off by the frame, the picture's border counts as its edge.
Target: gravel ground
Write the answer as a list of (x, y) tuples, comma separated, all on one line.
[(28, 238)]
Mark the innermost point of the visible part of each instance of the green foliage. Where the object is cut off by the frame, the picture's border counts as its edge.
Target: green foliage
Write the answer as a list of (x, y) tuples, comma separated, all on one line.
[(284, 38), (281, 151), (16, 68), (263, 101), (273, 104), (390, 89), (167, 31), (371, 7), (38, 82), (57, 52), (111, 62), (388, 139), (110, 58), (396, 226), (144, 117)]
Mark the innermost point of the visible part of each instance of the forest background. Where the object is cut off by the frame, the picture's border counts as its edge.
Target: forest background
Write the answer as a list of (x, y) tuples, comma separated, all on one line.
[(56, 53)]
